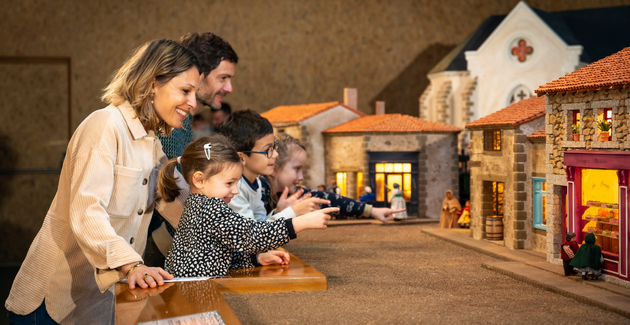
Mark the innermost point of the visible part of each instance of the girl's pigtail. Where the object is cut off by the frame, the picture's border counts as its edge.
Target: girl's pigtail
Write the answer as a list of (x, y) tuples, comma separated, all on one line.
[(167, 184)]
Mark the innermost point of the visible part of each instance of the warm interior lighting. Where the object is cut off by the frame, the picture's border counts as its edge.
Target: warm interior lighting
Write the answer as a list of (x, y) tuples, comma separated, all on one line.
[(342, 183)]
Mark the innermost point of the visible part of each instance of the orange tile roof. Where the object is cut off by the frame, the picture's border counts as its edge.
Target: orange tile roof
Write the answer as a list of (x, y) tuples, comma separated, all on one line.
[(611, 71), (391, 123), (297, 113), (515, 114), (538, 134)]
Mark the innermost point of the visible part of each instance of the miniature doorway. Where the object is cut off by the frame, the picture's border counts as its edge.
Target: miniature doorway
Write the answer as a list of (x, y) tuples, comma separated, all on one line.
[(389, 168)]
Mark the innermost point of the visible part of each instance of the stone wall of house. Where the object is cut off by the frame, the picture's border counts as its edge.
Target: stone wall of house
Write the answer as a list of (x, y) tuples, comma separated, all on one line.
[(345, 153), (559, 117), (498, 166), (438, 168), (313, 139), (534, 167), (437, 164)]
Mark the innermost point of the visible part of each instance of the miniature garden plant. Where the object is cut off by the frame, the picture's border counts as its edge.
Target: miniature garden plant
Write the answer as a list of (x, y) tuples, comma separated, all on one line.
[(603, 126), (575, 128)]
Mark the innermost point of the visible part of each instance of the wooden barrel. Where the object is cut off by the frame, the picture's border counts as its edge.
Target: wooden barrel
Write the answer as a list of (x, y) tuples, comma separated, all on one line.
[(494, 228)]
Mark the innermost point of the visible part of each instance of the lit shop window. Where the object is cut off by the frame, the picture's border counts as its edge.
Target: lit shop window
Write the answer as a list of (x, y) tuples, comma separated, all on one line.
[(540, 202)]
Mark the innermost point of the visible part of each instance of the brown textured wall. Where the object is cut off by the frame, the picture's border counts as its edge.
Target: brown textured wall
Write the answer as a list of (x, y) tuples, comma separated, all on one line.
[(292, 52)]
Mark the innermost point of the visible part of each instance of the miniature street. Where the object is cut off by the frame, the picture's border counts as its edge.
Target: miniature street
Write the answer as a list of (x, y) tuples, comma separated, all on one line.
[(397, 274)]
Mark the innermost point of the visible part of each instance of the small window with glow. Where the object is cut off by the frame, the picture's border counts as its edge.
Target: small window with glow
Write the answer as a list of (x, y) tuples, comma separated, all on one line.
[(342, 183)]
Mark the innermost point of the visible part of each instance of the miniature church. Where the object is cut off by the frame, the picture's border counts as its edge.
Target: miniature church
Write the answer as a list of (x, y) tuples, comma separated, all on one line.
[(507, 57)]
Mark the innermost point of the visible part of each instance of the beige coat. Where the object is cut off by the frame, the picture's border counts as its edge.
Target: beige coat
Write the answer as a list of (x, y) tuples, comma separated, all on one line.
[(98, 220), (450, 213)]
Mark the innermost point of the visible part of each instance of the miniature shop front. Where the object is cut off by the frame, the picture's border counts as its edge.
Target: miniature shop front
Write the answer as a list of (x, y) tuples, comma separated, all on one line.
[(597, 202)]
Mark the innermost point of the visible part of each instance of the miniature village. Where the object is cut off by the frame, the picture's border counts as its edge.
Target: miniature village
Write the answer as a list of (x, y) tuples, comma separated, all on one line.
[(537, 157), (470, 205)]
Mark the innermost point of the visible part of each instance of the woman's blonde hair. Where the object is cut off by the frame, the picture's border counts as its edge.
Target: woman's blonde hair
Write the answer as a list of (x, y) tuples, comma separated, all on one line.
[(156, 61), (194, 159)]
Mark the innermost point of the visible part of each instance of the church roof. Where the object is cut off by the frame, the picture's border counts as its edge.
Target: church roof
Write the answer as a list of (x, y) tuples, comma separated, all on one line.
[(396, 123), (600, 31), (516, 114), (611, 71), (298, 113), (456, 60)]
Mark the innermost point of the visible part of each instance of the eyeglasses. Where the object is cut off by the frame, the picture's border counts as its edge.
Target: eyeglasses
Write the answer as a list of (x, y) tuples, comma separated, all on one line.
[(269, 152)]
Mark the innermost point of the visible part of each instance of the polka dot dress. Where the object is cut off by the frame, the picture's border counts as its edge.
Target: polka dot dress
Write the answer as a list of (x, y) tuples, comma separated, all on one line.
[(211, 238)]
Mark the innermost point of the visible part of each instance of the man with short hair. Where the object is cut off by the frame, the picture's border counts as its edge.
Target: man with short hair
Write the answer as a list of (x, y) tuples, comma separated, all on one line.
[(217, 60)]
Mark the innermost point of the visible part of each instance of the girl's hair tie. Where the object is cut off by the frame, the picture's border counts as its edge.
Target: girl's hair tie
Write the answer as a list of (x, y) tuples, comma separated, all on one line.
[(179, 160), (206, 149)]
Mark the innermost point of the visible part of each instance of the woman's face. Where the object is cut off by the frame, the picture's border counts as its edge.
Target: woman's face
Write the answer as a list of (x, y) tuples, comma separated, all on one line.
[(291, 173), (174, 100), (449, 195)]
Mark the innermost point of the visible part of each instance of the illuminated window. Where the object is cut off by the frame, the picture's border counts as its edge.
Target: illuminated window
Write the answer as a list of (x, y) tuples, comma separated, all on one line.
[(497, 198), (604, 114), (573, 122), (380, 187), (342, 183), (387, 174), (492, 140), (540, 202), (407, 187), (359, 184)]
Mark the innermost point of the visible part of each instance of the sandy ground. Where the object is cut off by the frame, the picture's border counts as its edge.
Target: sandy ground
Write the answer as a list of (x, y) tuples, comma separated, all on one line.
[(398, 275)]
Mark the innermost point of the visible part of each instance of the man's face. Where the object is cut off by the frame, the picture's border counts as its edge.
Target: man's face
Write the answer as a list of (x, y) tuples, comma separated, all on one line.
[(216, 85)]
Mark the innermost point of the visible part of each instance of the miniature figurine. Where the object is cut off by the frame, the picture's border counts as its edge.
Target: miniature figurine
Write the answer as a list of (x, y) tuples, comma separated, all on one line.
[(450, 211), (398, 202), (588, 259), (569, 248), (368, 197), (464, 216)]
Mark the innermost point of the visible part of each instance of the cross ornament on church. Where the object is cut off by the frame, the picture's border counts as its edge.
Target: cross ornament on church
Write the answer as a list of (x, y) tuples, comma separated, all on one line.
[(522, 95), (522, 50)]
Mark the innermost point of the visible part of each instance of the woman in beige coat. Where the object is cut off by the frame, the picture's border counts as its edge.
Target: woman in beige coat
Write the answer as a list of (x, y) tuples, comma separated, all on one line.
[(450, 211), (95, 231)]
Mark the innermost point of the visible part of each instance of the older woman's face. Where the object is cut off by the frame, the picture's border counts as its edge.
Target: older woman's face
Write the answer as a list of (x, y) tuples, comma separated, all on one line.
[(174, 100), (449, 195)]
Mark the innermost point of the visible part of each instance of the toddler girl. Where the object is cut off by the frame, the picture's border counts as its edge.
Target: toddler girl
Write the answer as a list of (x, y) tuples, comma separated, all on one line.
[(211, 237), (288, 174)]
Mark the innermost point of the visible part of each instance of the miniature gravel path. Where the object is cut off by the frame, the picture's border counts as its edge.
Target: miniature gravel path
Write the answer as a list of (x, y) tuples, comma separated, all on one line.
[(396, 274)]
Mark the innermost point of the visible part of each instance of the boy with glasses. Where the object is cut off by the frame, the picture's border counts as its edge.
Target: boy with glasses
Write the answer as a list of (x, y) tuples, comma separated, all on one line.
[(251, 135)]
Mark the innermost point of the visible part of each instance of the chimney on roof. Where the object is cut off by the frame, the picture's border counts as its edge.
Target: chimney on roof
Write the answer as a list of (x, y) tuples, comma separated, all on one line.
[(380, 108), (350, 97)]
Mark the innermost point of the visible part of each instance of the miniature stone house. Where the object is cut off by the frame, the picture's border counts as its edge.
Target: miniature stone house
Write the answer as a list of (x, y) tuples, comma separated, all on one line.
[(306, 122), (588, 178), (508, 56), (383, 149), (507, 173)]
